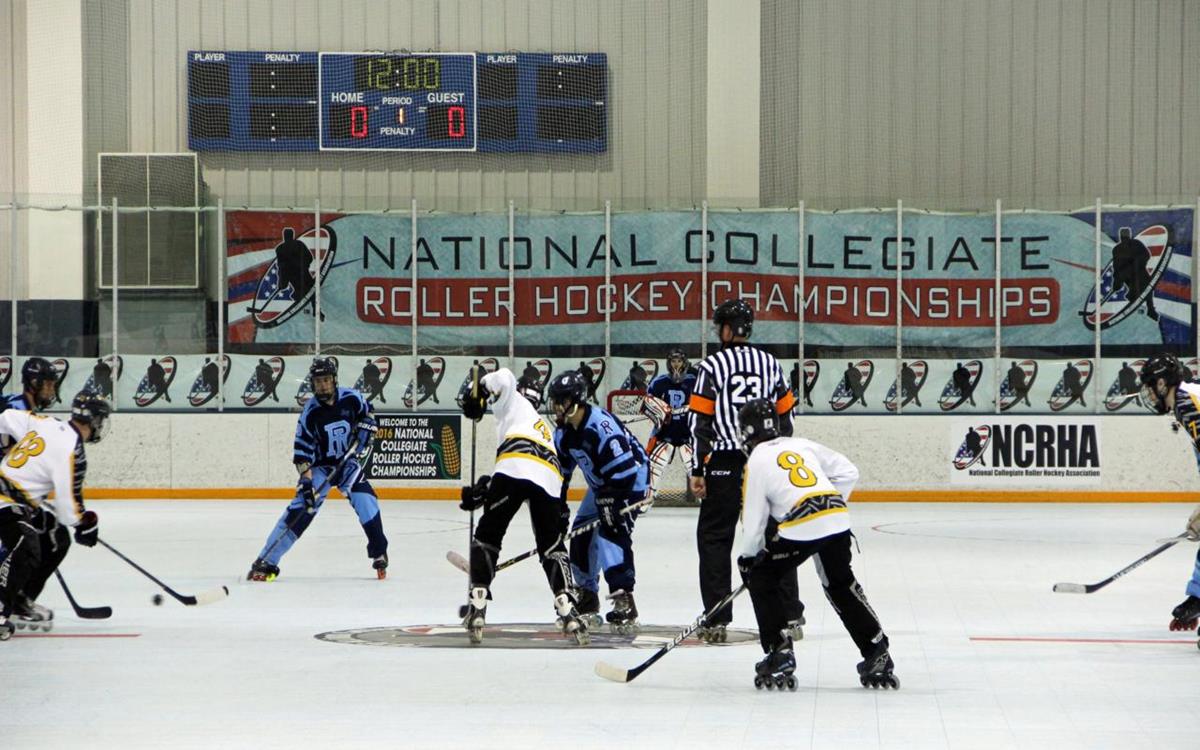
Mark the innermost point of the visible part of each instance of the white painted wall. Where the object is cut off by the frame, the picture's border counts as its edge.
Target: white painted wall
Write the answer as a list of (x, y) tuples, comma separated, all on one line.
[(734, 71), (1138, 454)]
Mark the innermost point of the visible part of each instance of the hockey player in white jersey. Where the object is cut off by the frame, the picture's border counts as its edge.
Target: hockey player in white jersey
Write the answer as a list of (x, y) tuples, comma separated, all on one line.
[(1166, 388), (794, 508), (44, 469), (527, 470)]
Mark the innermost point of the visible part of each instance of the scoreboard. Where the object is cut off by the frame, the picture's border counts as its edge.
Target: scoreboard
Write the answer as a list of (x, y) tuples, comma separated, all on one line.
[(385, 101)]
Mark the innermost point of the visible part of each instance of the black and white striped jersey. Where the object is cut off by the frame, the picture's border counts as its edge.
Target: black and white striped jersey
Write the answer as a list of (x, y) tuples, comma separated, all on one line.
[(725, 381)]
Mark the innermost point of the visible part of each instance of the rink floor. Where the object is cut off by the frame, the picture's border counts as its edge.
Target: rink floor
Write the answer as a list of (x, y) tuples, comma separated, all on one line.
[(988, 656)]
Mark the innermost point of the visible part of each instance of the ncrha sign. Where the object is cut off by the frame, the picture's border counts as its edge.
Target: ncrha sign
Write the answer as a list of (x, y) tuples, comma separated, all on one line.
[(1025, 451)]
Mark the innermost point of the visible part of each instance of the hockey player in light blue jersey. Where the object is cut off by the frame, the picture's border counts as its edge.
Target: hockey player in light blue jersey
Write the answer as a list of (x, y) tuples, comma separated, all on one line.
[(330, 421), (616, 469)]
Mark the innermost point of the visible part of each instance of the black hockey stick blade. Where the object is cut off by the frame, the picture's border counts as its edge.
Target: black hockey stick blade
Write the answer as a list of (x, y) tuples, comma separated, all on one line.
[(83, 613), (204, 597), (617, 674), (1088, 588)]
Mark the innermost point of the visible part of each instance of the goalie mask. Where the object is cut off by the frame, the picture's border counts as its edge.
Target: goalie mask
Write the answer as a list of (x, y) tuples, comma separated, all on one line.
[(568, 392), (1165, 368), (677, 365), (757, 423)]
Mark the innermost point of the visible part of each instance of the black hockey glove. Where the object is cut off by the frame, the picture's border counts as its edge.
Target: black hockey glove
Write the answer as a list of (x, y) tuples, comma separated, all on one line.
[(87, 532), (747, 563), (308, 494), (475, 495), (611, 517)]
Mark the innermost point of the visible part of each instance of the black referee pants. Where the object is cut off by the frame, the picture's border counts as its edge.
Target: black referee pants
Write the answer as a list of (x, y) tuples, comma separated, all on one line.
[(715, 529)]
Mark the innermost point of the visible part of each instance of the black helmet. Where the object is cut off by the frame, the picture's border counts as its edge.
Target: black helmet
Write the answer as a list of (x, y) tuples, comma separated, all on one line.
[(758, 422), (93, 412), (568, 389), (34, 373), (737, 314), (677, 373), (1165, 367), (320, 367), (530, 390)]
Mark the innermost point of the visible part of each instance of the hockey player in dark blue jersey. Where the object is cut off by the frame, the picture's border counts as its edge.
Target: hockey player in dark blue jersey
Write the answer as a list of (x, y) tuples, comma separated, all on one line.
[(39, 387), (333, 422), (615, 467), (665, 404)]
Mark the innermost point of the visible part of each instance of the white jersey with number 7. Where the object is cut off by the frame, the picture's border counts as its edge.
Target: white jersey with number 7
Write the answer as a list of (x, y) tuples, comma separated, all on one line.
[(801, 484)]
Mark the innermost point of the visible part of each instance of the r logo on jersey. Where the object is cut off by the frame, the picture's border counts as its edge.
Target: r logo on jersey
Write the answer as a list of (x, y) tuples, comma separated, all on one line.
[(338, 438), (973, 447)]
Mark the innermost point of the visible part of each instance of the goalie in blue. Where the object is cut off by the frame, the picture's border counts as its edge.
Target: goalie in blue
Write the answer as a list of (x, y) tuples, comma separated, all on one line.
[(334, 422), (615, 467)]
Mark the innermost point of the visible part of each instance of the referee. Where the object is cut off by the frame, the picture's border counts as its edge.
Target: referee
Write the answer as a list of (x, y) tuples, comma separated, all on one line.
[(725, 381)]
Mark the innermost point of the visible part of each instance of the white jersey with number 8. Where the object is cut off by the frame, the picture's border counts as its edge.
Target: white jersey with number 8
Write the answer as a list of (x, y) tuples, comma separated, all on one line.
[(800, 484), (46, 464)]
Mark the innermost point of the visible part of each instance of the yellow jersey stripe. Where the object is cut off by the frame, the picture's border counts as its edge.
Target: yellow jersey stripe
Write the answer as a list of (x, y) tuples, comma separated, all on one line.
[(529, 457)]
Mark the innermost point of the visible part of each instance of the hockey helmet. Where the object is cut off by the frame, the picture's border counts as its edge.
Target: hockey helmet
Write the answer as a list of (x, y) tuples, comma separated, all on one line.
[(35, 373), (757, 423), (473, 394), (531, 391), (737, 314), (567, 392), (322, 367), (1165, 367), (93, 412)]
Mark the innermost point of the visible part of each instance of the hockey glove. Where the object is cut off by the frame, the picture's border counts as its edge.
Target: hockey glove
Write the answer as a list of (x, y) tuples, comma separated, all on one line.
[(611, 516), (747, 563), (365, 432), (87, 532), (1193, 526), (475, 495), (308, 494)]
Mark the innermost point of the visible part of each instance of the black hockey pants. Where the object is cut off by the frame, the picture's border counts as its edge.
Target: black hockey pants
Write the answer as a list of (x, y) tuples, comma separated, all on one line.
[(548, 516)]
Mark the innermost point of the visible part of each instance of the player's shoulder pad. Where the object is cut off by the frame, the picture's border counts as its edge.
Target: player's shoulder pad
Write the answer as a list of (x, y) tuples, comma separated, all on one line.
[(657, 380)]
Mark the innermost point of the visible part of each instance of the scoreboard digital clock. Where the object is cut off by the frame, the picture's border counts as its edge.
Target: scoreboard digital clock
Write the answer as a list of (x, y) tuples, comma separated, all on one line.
[(386, 101)]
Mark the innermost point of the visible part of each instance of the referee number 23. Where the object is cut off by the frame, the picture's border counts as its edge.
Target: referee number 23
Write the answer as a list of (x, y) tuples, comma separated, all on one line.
[(798, 474), (745, 388)]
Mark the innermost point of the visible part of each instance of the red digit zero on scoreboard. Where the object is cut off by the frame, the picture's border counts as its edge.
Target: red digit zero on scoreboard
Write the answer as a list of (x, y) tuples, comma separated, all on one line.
[(358, 122)]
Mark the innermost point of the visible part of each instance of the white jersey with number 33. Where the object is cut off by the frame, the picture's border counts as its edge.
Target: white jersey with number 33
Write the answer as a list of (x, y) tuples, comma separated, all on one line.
[(46, 465), (802, 485)]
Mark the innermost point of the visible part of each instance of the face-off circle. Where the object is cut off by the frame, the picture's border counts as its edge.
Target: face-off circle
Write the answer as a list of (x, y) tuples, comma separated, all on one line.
[(523, 636)]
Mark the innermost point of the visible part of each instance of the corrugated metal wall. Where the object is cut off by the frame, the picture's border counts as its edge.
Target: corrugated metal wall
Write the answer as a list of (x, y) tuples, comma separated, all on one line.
[(656, 56), (954, 103)]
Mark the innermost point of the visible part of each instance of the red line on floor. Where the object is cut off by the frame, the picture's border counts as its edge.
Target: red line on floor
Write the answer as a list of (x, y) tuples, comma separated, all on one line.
[(78, 635), (1079, 640)]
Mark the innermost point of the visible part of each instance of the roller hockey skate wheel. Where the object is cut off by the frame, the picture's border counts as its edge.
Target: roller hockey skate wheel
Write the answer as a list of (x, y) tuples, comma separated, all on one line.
[(462, 612), (791, 682), (1178, 625), (475, 635), (758, 683)]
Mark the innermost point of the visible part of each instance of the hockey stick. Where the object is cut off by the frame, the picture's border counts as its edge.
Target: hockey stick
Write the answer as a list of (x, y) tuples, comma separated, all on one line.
[(1080, 588), (616, 674), (204, 597), (337, 469), (83, 613), (461, 563)]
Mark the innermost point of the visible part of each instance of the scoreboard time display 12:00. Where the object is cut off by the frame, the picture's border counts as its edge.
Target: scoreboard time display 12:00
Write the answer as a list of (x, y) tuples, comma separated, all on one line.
[(335, 101)]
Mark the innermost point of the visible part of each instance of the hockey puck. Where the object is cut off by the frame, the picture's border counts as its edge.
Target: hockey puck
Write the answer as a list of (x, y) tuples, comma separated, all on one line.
[(157, 599)]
